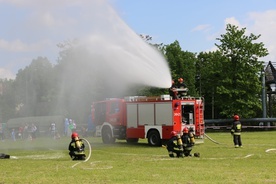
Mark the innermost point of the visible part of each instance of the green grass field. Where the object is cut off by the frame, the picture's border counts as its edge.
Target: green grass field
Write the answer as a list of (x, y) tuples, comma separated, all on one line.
[(45, 160)]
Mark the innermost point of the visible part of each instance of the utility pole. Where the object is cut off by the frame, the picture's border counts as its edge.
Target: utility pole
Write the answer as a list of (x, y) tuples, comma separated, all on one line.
[(263, 94)]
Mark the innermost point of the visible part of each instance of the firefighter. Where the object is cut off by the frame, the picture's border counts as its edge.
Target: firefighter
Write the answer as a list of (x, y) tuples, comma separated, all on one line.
[(76, 148), (172, 90), (236, 131), (174, 145), (182, 85), (188, 142), (4, 156)]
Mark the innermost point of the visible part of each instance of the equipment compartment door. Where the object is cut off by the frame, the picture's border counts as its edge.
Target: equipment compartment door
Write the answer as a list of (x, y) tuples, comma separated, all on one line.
[(188, 113), (164, 114), (132, 116), (146, 114)]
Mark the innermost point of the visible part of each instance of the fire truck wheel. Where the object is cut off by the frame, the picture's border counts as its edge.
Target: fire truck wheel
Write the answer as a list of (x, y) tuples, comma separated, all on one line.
[(132, 140), (107, 136), (154, 138)]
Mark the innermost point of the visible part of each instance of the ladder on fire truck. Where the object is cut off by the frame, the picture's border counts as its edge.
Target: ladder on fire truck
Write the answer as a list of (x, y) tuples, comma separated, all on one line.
[(201, 119)]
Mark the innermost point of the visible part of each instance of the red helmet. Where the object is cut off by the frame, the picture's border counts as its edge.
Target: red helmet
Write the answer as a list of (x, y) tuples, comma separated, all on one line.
[(185, 130), (180, 80), (236, 117), (173, 133), (74, 135)]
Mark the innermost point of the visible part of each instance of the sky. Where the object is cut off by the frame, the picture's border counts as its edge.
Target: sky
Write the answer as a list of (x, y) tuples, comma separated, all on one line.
[(32, 28)]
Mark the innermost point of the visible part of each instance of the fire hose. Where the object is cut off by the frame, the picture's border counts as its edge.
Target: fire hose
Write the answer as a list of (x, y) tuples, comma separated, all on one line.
[(211, 139), (90, 150)]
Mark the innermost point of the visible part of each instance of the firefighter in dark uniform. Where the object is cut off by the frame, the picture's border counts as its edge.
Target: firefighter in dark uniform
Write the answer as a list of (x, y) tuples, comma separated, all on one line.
[(4, 156), (172, 91), (76, 148), (188, 141), (236, 131), (183, 86), (174, 145)]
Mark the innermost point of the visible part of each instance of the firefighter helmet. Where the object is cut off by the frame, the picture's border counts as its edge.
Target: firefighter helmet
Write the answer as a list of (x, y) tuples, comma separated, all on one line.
[(74, 135), (236, 117), (185, 130), (173, 133)]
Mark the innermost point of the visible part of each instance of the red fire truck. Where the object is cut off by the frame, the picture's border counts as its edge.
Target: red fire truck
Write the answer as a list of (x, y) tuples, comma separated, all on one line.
[(140, 117)]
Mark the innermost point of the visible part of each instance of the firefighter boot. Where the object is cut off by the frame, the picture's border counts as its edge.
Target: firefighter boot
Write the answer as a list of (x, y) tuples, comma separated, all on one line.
[(197, 154)]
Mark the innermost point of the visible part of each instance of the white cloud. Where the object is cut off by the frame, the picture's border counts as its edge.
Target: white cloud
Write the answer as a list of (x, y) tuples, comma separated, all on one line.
[(6, 74), (35, 3), (264, 23), (232, 20), (260, 23), (202, 27)]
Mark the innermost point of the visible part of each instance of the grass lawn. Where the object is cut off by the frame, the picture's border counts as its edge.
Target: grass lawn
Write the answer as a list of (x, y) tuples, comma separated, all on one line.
[(45, 160)]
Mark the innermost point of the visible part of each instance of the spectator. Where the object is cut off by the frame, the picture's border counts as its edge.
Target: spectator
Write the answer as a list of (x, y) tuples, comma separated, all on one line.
[(13, 135), (33, 131), (66, 125), (53, 130), (20, 132), (74, 126)]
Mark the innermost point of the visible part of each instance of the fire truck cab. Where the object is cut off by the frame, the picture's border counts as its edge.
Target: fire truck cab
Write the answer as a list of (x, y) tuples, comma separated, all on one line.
[(140, 117)]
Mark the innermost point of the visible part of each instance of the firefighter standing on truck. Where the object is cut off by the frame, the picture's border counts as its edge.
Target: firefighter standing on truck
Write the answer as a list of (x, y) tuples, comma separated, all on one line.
[(183, 86), (76, 148), (172, 91), (236, 131), (174, 145)]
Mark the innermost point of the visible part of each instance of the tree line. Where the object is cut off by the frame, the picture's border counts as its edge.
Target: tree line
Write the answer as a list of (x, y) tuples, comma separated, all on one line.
[(228, 79)]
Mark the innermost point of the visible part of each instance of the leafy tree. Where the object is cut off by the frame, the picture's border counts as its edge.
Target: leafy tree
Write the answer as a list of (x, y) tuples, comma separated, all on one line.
[(8, 105), (208, 77), (35, 86), (240, 86), (182, 65)]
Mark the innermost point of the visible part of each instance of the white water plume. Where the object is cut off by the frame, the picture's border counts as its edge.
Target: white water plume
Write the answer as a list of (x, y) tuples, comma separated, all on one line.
[(116, 50)]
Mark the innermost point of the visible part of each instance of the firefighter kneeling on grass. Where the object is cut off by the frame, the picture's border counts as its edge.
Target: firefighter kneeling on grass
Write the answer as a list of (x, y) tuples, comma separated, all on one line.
[(188, 141), (174, 145), (76, 148)]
